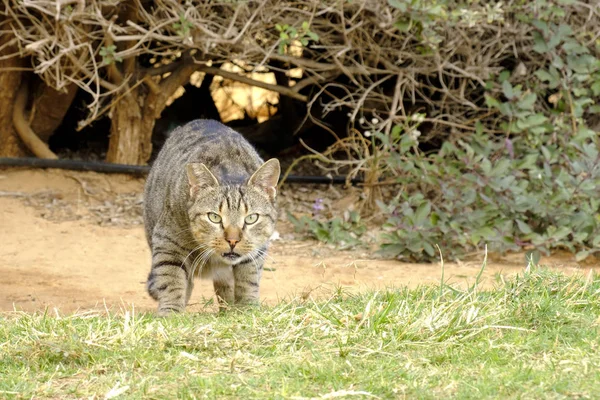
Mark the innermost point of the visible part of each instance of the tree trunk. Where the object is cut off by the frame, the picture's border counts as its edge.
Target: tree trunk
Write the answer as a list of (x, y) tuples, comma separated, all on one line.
[(49, 108), (127, 131), (10, 80), (135, 113)]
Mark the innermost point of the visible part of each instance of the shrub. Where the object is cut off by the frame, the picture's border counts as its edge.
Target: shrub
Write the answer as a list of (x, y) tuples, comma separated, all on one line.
[(473, 193), (518, 166)]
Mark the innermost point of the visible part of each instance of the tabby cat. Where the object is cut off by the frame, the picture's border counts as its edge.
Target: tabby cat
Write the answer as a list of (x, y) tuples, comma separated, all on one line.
[(210, 209)]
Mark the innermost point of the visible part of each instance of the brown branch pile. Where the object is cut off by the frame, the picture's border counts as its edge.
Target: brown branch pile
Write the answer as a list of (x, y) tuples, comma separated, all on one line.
[(360, 60)]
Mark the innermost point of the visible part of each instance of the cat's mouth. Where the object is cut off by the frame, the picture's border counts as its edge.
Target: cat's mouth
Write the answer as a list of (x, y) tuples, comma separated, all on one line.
[(231, 255)]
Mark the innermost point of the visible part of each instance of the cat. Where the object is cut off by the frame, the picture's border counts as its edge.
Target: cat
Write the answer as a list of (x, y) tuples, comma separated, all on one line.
[(210, 209)]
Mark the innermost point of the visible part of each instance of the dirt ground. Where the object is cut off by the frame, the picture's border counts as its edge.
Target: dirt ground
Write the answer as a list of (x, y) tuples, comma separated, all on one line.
[(74, 241)]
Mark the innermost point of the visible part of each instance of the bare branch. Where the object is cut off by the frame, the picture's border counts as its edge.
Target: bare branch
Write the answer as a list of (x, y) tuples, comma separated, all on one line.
[(252, 82), (27, 135)]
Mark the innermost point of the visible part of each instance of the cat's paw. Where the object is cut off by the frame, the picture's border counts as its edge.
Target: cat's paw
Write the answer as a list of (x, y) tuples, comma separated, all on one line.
[(167, 311)]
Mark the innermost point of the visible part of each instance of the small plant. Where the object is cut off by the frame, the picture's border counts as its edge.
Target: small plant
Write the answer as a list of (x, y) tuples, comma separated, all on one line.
[(344, 232), (108, 54), (183, 27), (288, 34)]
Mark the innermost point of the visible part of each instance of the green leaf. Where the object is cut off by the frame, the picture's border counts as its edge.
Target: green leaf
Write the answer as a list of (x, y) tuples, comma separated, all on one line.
[(406, 143), (486, 166), (486, 233), (392, 249), (527, 102), (533, 256), (491, 102), (539, 43), (561, 233), (595, 109), (395, 134), (422, 213), (584, 133), (400, 5), (571, 46), (551, 77), (564, 30), (546, 153), (281, 48), (478, 127), (582, 255), (313, 36), (558, 63), (507, 89), (532, 120), (434, 218), (428, 249), (404, 25), (506, 109), (541, 25), (323, 235), (580, 237), (523, 227), (596, 88)]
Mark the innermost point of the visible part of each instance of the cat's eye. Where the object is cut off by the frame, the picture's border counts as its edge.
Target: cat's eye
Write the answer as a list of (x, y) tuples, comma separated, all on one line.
[(250, 219), (214, 218)]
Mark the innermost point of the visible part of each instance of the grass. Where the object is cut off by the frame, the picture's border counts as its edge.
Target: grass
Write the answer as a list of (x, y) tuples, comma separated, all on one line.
[(535, 336)]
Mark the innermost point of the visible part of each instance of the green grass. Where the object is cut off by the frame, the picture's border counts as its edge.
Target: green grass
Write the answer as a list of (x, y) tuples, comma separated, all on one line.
[(535, 336)]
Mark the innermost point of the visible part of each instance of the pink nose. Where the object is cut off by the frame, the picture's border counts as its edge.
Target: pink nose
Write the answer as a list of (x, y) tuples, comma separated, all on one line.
[(232, 243)]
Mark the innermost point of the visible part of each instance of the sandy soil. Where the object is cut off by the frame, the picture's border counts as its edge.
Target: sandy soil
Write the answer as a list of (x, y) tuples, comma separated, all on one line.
[(74, 241)]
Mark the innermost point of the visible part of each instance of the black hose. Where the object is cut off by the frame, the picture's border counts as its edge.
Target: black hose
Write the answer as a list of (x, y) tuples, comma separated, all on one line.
[(109, 168), (75, 165)]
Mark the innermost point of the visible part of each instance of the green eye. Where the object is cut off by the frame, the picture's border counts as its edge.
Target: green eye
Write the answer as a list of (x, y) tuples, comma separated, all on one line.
[(250, 219), (214, 218)]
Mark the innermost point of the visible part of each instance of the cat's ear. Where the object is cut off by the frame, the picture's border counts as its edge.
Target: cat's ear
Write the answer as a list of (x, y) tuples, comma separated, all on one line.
[(266, 177), (199, 176)]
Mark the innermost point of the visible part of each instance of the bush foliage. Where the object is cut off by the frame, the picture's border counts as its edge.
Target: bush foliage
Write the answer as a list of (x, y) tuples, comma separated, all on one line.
[(519, 168), (484, 113)]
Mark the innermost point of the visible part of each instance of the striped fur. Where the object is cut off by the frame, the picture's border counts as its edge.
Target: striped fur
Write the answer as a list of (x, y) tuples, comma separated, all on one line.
[(202, 195)]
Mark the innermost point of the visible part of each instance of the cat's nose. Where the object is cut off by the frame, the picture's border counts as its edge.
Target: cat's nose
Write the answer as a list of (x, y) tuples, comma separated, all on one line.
[(232, 236)]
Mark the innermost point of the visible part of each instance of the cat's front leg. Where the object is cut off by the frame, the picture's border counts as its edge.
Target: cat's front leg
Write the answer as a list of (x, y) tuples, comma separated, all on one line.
[(223, 284), (246, 276), (168, 281)]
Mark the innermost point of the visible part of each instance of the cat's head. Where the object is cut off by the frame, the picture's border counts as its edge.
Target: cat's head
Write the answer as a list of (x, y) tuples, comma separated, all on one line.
[(233, 222)]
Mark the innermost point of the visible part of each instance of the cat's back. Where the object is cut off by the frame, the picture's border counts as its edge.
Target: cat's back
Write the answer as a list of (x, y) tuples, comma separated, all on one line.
[(224, 151)]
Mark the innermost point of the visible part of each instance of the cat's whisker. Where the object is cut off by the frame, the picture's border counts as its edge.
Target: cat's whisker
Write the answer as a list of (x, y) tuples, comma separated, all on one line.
[(255, 261), (203, 258), (264, 254), (194, 262), (199, 247)]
